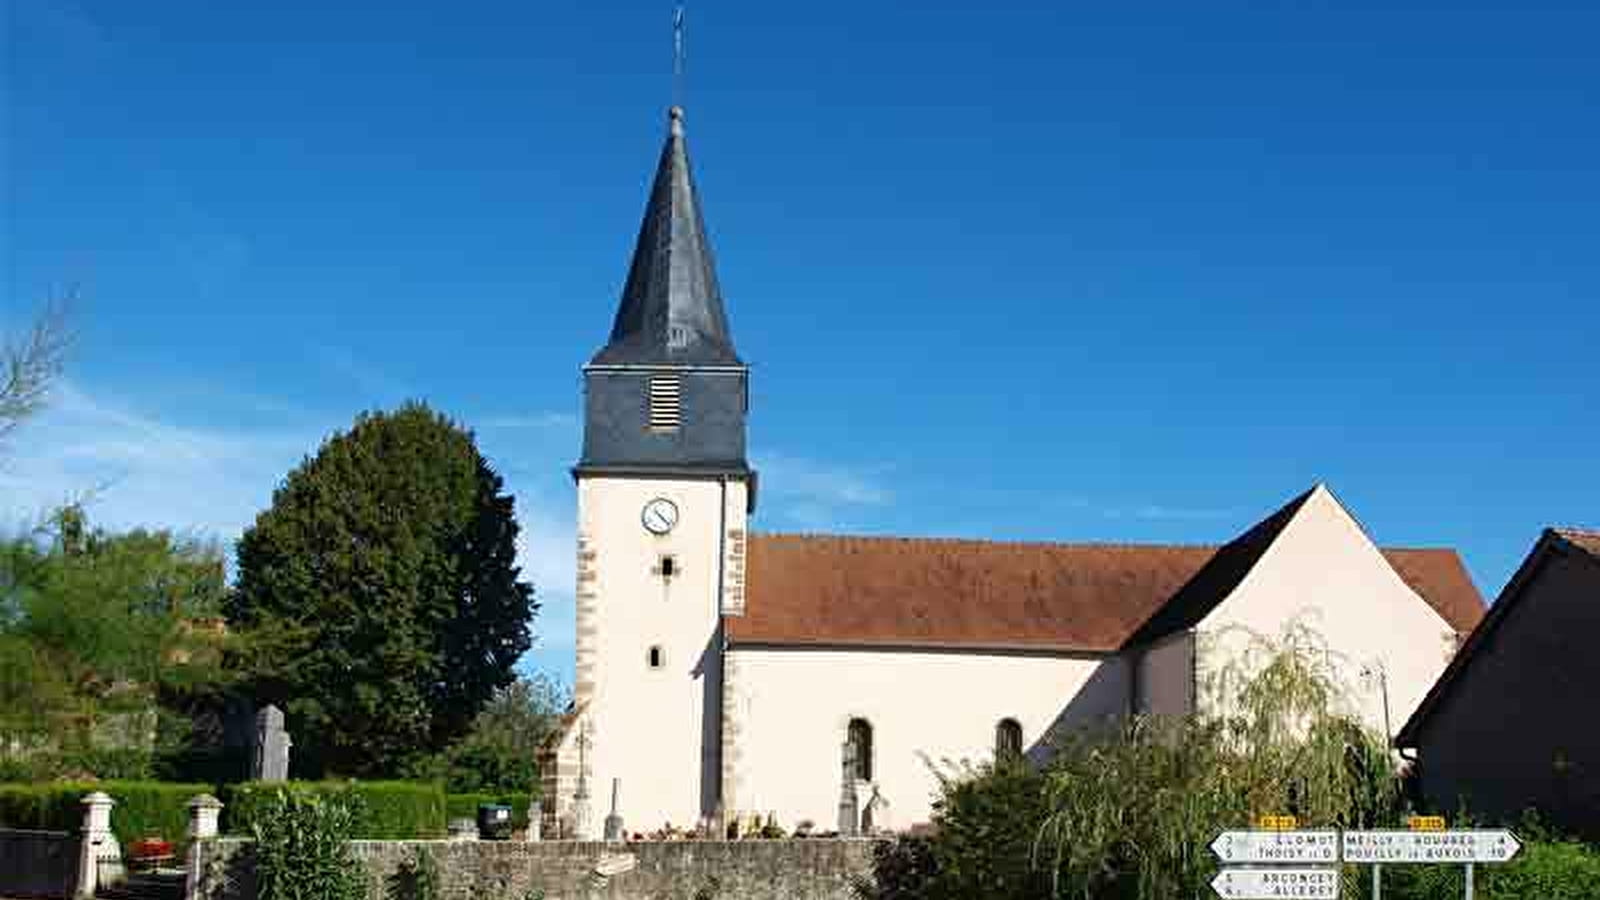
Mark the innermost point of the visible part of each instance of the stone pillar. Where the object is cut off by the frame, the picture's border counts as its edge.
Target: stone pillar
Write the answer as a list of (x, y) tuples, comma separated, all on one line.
[(582, 814), (849, 801), (204, 810), (728, 794), (535, 820), (98, 844), (614, 820)]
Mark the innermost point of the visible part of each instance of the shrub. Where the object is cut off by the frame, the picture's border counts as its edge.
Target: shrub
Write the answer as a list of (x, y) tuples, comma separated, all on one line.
[(1562, 870), (1551, 869), (988, 820), (902, 869), (1129, 812), (386, 810), (302, 844), (144, 808)]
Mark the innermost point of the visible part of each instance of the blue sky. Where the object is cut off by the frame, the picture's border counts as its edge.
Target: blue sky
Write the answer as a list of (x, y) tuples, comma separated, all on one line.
[(1112, 272)]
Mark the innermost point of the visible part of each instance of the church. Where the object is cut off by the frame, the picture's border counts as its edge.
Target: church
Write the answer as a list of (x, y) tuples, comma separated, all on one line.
[(723, 673)]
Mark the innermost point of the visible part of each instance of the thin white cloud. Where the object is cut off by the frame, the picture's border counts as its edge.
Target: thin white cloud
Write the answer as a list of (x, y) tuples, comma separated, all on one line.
[(1159, 513), (824, 483), (564, 423), (135, 469), (375, 386)]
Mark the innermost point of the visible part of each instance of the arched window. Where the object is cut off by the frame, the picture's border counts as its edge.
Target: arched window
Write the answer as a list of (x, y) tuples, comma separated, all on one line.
[(1008, 739), (858, 749)]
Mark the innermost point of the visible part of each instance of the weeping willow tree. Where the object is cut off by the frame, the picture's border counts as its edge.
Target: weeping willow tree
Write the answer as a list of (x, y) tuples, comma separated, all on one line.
[(1132, 814)]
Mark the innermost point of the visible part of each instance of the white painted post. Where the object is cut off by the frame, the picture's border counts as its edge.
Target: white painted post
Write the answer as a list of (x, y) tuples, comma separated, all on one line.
[(203, 812), (1469, 881), (535, 820), (1377, 881), (98, 841)]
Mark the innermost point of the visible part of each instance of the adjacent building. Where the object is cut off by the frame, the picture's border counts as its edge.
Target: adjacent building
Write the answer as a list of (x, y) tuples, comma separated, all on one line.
[(1511, 724), (817, 677)]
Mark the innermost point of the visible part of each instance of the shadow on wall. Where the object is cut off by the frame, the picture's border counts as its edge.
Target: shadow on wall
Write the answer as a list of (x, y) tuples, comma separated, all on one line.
[(1102, 703), (708, 669)]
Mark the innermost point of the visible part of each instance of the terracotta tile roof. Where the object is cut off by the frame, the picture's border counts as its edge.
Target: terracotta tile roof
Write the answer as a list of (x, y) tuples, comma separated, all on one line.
[(824, 589), (1582, 538), (1442, 580), (919, 592)]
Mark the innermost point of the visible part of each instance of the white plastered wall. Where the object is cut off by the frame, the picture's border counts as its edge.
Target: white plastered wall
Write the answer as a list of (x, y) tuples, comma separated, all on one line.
[(1324, 572), (656, 730), (1166, 676), (794, 706)]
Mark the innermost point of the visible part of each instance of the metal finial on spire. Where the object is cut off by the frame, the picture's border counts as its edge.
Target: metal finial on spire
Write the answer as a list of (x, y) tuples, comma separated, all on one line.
[(677, 56)]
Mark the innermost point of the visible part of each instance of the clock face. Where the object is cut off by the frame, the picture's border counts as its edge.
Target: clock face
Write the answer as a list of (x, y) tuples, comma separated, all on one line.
[(660, 515)]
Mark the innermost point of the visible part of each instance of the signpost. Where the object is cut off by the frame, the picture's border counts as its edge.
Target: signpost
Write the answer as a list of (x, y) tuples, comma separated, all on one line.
[(1276, 859), (1280, 883), (1458, 846), (1277, 846)]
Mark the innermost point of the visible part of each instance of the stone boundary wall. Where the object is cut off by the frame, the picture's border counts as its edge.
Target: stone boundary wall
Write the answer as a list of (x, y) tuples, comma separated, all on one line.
[(809, 869), (38, 863)]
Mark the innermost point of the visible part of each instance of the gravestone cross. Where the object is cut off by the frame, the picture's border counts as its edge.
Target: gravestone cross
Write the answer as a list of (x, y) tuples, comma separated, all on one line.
[(271, 761)]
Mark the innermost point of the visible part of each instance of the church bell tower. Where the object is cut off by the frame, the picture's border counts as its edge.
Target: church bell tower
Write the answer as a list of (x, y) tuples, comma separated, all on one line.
[(664, 492)]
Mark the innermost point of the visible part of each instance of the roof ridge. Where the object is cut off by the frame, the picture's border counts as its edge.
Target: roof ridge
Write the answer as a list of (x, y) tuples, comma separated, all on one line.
[(1101, 545), (946, 539)]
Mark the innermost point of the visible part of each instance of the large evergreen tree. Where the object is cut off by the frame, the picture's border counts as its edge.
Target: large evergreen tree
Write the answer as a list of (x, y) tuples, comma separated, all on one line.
[(384, 587)]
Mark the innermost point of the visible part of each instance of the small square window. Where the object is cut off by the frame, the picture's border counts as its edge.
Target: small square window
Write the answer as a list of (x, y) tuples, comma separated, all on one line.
[(656, 657)]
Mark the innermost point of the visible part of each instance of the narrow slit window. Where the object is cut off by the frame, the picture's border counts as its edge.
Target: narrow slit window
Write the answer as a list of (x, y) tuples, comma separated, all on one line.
[(656, 657), (666, 402), (858, 749), (1008, 739), (668, 567)]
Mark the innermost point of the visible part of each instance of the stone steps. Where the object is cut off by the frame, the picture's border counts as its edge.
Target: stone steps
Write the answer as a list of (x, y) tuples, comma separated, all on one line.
[(145, 886)]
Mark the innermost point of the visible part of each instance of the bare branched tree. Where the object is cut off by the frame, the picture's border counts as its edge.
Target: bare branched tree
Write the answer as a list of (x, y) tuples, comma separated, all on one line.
[(31, 364)]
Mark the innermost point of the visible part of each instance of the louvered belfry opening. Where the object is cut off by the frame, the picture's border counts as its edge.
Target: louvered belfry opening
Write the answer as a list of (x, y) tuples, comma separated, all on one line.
[(666, 402)]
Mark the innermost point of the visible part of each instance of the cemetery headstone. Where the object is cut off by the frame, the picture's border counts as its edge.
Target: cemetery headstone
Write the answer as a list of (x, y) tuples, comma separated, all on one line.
[(271, 759)]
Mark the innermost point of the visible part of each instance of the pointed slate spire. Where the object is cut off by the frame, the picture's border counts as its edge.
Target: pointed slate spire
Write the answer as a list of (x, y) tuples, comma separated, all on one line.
[(671, 310)]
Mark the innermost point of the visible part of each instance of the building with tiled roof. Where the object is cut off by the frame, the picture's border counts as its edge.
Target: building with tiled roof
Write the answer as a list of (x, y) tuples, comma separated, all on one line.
[(722, 673), (1504, 728)]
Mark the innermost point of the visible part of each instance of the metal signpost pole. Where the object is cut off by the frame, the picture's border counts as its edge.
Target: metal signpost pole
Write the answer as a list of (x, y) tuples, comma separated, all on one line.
[(1469, 881), (1377, 881)]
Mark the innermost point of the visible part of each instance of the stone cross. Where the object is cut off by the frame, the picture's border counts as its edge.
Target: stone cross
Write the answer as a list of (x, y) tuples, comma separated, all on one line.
[(271, 759)]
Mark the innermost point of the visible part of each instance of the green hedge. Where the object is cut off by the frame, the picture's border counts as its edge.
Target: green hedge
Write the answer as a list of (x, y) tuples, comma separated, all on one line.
[(144, 808), (392, 810), (1544, 870), (465, 806)]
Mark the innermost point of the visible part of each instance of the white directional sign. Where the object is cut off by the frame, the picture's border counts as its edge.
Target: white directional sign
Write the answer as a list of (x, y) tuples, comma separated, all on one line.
[(1456, 846), (1277, 884), (1277, 846)]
